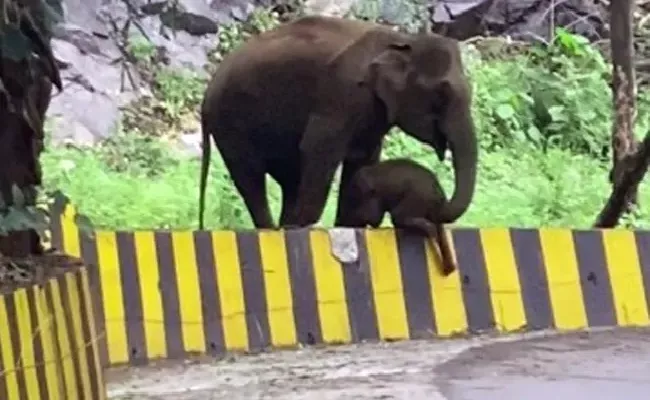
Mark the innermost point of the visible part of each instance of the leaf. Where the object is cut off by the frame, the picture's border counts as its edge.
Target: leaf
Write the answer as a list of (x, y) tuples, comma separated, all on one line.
[(85, 224), (60, 201), (534, 134), (14, 220), (558, 113), (14, 45), (18, 198), (505, 111)]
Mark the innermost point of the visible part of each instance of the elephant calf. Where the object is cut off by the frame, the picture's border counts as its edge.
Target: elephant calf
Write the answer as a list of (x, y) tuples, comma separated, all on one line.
[(409, 192)]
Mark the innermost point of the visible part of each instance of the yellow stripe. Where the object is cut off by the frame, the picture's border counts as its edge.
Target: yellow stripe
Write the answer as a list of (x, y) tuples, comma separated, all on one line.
[(75, 312), (231, 292), (387, 288), (622, 259), (330, 290), (8, 356), (277, 284), (70, 233), (64, 341), (94, 334), (562, 274), (503, 279), (152, 308), (113, 301), (446, 294), (189, 292), (46, 327), (26, 334)]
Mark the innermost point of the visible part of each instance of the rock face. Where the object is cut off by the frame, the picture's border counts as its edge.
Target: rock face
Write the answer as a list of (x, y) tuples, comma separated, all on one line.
[(89, 43), (528, 20)]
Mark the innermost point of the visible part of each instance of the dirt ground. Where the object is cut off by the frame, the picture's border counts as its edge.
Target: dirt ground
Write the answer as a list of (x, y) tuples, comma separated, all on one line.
[(369, 371), (27, 271)]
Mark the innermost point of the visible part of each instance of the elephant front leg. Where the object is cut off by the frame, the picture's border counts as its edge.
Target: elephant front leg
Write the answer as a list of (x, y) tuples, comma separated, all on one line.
[(321, 150), (317, 176)]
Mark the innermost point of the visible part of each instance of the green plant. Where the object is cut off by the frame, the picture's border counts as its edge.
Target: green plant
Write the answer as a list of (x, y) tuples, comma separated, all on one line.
[(233, 35), (136, 154), (141, 49), (178, 91), (409, 15)]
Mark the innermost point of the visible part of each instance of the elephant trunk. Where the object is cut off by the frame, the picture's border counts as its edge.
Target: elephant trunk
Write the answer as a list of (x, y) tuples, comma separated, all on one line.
[(464, 151)]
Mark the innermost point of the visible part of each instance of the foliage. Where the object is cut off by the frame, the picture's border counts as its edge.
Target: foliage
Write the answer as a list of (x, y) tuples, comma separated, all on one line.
[(233, 35), (409, 15), (135, 154), (179, 91)]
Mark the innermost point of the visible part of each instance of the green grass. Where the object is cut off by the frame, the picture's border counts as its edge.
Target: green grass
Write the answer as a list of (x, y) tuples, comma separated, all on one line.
[(515, 188)]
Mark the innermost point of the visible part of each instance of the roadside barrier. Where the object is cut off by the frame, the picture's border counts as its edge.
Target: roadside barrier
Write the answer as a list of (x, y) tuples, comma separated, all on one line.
[(48, 341), (173, 294)]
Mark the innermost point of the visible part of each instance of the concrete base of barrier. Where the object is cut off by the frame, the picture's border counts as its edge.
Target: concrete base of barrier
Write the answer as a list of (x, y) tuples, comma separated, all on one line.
[(169, 295), (48, 341)]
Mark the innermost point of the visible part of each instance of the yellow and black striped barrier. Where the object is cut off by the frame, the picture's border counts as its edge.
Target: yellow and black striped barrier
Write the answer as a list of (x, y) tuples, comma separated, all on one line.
[(48, 342), (169, 294)]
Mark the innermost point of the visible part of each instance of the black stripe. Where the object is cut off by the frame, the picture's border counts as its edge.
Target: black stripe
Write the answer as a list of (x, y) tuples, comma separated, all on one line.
[(12, 321), (475, 284), (72, 337), (169, 295), (643, 249), (359, 295), (303, 286), (88, 247), (532, 278), (88, 337), (415, 280), (210, 303), (259, 336), (133, 311), (594, 278), (56, 229), (38, 340)]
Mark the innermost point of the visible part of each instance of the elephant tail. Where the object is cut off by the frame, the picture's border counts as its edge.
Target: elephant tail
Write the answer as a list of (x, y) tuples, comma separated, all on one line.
[(205, 165)]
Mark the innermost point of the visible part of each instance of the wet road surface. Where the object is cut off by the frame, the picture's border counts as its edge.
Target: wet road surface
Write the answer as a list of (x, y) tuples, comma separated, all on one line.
[(594, 366)]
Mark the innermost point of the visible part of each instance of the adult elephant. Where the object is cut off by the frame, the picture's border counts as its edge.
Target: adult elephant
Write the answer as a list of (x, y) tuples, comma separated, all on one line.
[(300, 99)]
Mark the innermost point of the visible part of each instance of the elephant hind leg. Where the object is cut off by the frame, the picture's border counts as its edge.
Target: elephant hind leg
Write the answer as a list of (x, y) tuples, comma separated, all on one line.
[(249, 175)]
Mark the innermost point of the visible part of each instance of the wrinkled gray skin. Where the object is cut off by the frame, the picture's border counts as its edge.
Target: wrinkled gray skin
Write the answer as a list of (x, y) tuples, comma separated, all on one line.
[(296, 101), (410, 193)]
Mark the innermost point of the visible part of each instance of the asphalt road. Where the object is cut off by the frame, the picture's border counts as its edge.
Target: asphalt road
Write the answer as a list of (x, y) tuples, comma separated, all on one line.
[(597, 365)]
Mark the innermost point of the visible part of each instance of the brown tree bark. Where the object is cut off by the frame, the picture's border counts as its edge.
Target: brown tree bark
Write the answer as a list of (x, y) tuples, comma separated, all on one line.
[(20, 150), (624, 143), (636, 167)]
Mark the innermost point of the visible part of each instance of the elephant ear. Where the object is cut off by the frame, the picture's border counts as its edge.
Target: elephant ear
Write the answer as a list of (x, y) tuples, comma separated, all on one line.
[(387, 74)]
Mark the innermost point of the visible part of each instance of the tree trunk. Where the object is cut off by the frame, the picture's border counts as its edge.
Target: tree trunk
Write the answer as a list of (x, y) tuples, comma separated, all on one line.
[(624, 143), (20, 150)]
